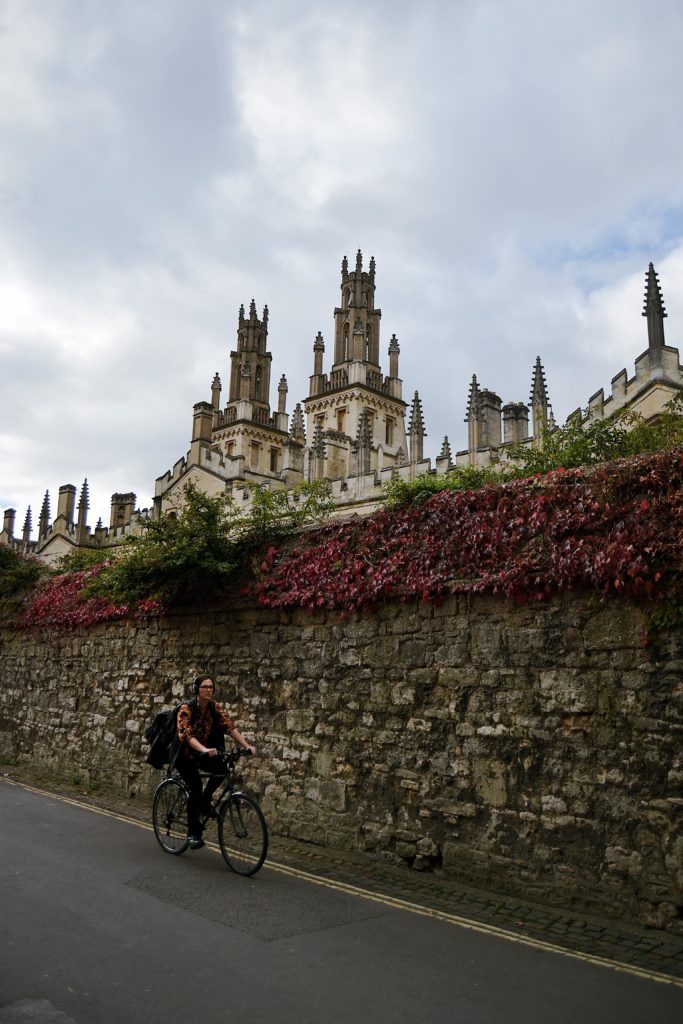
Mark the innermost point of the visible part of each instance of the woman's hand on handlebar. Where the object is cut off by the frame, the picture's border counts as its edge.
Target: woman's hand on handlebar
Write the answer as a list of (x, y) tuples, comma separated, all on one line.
[(211, 751)]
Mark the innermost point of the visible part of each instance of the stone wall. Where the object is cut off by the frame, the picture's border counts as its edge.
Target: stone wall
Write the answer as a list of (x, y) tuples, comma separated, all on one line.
[(534, 750)]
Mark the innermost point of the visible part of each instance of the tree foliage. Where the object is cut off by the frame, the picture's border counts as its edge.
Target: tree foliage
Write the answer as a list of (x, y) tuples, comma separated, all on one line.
[(18, 574), (188, 556)]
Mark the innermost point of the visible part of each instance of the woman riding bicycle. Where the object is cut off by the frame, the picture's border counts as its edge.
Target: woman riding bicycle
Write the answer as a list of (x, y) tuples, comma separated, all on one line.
[(201, 726)]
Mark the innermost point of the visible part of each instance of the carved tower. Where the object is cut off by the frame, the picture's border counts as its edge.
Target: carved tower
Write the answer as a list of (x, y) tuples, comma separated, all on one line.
[(355, 413)]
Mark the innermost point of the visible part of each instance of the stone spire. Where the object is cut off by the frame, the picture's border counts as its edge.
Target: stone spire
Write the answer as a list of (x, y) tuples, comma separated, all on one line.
[(83, 504), (394, 352), (298, 429), (282, 390), (44, 519), (216, 391), (445, 452), (653, 309), (540, 404), (416, 430), (473, 401), (28, 526)]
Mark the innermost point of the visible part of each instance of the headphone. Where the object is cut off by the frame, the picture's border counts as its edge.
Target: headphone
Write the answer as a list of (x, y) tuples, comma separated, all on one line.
[(198, 680)]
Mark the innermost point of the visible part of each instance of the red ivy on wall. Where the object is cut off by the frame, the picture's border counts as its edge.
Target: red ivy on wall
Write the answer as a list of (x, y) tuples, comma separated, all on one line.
[(615, 529), (61, 601)]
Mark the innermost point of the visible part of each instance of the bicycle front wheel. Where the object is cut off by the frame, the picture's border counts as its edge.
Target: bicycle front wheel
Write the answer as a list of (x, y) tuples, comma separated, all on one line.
[(169, 816), (242, 834)]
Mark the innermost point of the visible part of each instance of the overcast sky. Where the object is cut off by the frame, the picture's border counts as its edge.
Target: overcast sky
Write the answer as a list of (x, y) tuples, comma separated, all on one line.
[(512, 166)]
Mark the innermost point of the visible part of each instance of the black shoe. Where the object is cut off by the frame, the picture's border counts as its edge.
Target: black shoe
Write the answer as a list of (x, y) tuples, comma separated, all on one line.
[(195, 842)]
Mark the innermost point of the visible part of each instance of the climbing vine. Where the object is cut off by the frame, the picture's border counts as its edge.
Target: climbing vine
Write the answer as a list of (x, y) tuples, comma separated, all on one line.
[(614, 529)]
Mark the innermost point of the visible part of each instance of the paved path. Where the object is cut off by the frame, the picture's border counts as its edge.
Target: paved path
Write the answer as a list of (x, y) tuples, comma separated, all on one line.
[(98, 925)]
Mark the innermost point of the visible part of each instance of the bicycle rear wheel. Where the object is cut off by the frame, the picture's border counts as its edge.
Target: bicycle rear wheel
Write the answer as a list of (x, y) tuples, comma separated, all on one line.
[(169, 816), (242, 834)]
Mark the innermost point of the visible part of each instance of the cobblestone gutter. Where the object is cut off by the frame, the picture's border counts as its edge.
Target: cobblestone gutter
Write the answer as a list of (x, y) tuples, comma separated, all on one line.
[(531, 751)]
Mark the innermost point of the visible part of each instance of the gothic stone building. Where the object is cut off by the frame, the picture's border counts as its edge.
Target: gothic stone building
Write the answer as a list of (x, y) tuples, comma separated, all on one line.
[(351, 428)]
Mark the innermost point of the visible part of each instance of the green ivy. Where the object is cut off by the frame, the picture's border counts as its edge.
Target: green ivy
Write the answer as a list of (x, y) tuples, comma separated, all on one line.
[(194, 551), (18, 574)]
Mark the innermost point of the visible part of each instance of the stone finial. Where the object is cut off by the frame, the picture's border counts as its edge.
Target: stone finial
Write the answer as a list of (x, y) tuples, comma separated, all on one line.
[(539, 391), (265, 314), (83, 504), (44, 518), (372, 268), (401, 456), (28, 526), (364, 432), (445, 452), (318, 446), (216, 387), (359, 261), (298, 428), (252, 310), (473, 401), (393, 345), (282, 390), (416, 424), (319, 343), (653, 309), (241, 312)]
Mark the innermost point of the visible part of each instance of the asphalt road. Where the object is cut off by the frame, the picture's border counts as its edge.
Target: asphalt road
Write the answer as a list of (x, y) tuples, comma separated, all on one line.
[(99, 926)]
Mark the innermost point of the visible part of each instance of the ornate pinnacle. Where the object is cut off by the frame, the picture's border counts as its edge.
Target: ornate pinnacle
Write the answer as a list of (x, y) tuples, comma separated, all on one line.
[(282, 386), (45, 510), (265, 314), (319, 344), (416, 424), (473, 401), (318, 446), (216, 382), (364, 435), (653, 302), (653, 309), (345, 266), (84, 500), (241, 313), (359, 261), (446, 450), (393, 344), (252, 310), (28, 523), (298, 428), (372, 267), (539, 391)]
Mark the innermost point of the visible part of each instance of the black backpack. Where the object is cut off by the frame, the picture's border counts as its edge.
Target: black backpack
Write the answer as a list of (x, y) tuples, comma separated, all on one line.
[(161, 734)]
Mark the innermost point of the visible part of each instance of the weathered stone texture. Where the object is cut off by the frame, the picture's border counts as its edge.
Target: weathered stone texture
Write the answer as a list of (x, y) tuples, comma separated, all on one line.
[(533, 750)]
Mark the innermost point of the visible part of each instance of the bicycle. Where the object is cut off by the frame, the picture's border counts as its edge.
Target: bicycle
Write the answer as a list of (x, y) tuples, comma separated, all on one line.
[(242, 829)]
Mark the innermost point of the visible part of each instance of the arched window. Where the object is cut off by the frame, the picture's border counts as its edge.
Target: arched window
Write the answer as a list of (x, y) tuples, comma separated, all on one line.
[(258, 384), (368, 340), (345, 349), (235, 389)]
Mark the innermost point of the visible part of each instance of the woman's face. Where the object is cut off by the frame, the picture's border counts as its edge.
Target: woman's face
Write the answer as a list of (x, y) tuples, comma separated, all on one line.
[(205, 692)]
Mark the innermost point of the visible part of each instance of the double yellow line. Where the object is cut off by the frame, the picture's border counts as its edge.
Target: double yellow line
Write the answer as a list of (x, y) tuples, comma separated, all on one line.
[(391, 901)]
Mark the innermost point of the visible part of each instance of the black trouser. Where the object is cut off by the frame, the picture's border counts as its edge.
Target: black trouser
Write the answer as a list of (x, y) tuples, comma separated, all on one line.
[(189, 768)]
